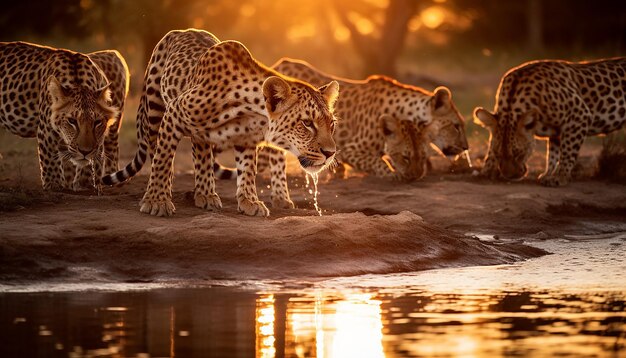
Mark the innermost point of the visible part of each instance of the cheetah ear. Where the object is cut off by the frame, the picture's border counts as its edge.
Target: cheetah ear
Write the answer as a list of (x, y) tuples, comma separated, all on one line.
[(105, 102), (104, 94), (276, 91), (529, 120), (388, 125), (484, 118), (441, 99), (330, 91), (58, 94)]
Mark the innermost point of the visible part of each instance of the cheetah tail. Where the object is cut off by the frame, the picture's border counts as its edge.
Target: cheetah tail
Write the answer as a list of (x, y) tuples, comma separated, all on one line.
[(224, 173), (131, 168)]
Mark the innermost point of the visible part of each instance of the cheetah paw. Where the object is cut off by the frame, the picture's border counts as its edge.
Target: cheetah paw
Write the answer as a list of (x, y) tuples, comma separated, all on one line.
[(553, 181), (253, 208), (283, 203), (53, 187), (80, 186), (489, 173), (157, 207), (208, 202)]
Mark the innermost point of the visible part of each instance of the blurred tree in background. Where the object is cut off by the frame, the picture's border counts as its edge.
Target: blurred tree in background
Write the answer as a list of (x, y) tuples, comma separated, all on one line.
[(350, 37)]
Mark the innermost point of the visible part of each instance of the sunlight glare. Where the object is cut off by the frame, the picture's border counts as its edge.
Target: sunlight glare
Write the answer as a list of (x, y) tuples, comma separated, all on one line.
[(301, 31), (341, 34), (363, 24), (382, 4), (415, 23), (358, 327), (247, 10), (265, 326), (433, 16)]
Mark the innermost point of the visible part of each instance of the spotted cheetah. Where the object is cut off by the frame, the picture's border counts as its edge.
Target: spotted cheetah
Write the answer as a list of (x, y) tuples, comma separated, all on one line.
[(220, 96), (359, 135), (365, 101), (561, 101), (63, 99), (403, 152)]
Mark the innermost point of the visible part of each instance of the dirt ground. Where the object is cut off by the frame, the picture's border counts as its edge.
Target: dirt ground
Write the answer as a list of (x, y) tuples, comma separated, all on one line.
[(369, 226)]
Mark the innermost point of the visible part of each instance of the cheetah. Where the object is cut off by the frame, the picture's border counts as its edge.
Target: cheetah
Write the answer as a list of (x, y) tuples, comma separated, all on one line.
[(63, 98), (403, 152), (561, 101), (360, 136), (217, 94)]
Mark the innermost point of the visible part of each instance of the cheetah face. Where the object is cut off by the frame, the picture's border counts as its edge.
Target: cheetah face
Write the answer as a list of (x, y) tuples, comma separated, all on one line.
[(82, 118), (512, 140), (449, 133), (302, 120), (405, 152)]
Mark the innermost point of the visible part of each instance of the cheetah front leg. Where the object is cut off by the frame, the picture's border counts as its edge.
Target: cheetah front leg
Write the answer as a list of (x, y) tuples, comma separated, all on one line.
[(83, 178), (50, 164), (552, 158), (572, 137), (368, 161), (69, 173), (247, 199), (490, 168), (111, 148), (278, 169), (204, 194), (158, 197)]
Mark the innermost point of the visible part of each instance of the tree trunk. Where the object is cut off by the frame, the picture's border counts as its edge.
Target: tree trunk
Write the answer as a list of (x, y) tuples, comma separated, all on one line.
[(380, 55), (535, 26), (394, 32)]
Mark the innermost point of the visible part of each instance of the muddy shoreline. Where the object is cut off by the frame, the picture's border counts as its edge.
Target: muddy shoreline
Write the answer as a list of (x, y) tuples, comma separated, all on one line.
[(369, 226)]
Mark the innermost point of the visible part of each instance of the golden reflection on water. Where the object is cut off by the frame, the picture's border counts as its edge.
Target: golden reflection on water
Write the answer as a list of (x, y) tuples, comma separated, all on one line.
[(223, 322), (265, 326), (350, 326), (471, 325)]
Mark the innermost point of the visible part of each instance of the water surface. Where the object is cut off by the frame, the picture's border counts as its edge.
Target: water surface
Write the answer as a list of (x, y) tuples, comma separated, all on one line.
[(571, 303)]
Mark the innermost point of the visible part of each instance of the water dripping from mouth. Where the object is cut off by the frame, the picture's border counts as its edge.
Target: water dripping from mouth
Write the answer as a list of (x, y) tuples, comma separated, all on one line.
[(314, 191), (94, 178)]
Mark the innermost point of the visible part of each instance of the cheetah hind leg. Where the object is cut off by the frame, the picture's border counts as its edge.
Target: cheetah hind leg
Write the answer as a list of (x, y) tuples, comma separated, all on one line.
[(205, 196), (571, 140), (247, 199)]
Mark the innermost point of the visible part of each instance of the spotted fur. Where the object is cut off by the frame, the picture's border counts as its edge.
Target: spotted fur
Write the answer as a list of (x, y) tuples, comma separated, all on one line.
[(563, 102), (220, 96), (63, 98), (115, 69), (359, 135)]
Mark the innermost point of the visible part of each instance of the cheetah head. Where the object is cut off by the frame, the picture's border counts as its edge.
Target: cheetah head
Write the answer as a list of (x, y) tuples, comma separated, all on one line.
[(405, 151), (82, 117), (448, 132), (512, 139), (302, 121)]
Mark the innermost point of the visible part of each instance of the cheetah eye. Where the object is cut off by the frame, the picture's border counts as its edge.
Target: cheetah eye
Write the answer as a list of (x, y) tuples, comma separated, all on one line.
[(73, 122), (308, 124), (406, 158), (99, 124)]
